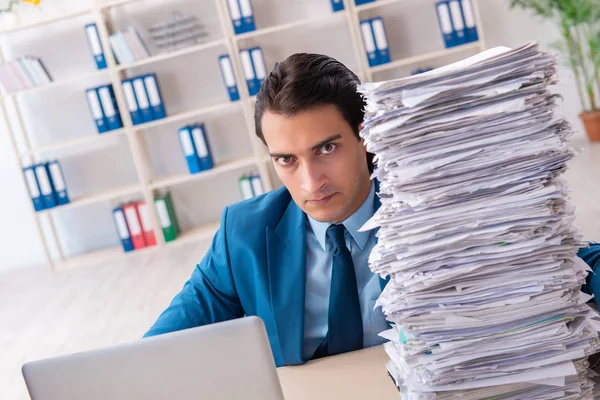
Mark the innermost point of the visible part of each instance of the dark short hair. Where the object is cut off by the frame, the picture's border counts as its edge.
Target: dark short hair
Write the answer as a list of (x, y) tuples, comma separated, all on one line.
[(305, 80)]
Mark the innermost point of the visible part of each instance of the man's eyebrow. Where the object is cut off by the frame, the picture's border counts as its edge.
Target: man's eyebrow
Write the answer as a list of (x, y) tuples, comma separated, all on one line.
[(313, 148), (277, 155), (324, 142)]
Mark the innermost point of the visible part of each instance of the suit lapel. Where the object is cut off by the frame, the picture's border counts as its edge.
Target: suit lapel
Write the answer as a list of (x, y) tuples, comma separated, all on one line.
[(286, 257)]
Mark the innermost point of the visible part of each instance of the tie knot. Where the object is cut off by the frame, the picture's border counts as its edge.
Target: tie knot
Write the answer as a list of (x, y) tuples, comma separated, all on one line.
[(335, 233)]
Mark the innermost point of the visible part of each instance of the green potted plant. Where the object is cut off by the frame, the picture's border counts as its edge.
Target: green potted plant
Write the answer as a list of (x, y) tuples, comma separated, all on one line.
[(579, 24)]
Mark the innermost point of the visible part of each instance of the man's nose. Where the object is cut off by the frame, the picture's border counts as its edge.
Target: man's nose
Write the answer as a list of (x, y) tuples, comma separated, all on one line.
[(313, 178)]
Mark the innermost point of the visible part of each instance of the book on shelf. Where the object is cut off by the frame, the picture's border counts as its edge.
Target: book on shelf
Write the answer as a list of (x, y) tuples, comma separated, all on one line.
[(251, 186), (144, 98), (177, 32), (195, 147), (456, 19), (375, 41), (128, 46), (23, 73), (133, 225), (46, 185), (167, 217), (104, 108)]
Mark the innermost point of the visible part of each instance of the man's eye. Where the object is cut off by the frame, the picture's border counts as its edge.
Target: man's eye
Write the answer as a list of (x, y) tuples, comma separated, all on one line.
[(328, 148), (284, 160)]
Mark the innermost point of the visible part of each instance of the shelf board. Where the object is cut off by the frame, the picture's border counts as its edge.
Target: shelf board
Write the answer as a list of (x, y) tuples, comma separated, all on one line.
[(218, 169), (426, 57), (57, 83), (375, 4), (46, 21), (90, 258), (96, 198), (88, 139), (187, 114), (172, 54), (291, 25), (112, 253), (201, 232), (100, 256)]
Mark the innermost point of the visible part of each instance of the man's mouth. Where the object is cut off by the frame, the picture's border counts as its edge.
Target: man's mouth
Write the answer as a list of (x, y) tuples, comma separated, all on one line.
[(321, 201)]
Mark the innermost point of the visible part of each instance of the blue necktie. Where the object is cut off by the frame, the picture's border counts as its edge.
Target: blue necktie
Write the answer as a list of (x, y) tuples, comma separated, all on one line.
[(345, 319)]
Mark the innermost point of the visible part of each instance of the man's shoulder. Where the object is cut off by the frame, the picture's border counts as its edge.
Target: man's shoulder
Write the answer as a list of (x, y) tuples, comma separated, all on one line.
[(260, 211)]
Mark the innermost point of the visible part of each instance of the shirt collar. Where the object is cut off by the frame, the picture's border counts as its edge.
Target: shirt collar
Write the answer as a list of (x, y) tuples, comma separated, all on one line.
[(353, 223)]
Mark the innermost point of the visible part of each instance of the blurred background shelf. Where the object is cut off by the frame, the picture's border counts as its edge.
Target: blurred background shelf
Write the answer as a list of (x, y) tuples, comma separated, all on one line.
[(89, 139), (216, 170), (95, 198), (193, 94), (46, 21)]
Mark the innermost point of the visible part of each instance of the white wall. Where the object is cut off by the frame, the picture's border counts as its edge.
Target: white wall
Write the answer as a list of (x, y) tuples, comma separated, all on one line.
[(188, 82)]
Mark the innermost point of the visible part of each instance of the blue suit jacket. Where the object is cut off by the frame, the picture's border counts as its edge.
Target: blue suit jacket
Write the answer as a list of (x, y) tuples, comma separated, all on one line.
[(255, 266)]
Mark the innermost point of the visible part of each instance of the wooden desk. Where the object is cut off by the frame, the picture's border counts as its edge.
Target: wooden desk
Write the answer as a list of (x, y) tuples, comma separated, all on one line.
[(357, 375)]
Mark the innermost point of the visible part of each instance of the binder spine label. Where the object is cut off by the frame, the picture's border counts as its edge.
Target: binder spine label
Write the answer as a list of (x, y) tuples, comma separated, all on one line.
[(163, 214), (121, 225), (133, 221), (247, 64), (468, 13), (43, 180), (57, 177), (246, 188), (456, 15), (367, 36), (444, 14), (246, 8), (257, 187), (380, 38), (153, 93), (140, 91), (92, 34), (227, 71), (94, 104), (107, 103), (234, 10), (32, 183), (129, 96), (144, 217), (199, 141), (259, 64), (186, 142)]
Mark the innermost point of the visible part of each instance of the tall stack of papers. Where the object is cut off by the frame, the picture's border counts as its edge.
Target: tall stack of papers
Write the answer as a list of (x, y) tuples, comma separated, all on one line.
[(475, 232)]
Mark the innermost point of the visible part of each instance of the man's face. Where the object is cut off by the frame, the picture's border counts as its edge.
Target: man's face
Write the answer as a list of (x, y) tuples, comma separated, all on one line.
[(320, 161)]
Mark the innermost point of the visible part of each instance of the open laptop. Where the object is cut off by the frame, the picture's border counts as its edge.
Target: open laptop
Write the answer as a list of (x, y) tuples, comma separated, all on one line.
[(228, 360)]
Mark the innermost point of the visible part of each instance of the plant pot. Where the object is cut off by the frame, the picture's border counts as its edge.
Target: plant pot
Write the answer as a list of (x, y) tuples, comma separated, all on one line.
[(591, 122)]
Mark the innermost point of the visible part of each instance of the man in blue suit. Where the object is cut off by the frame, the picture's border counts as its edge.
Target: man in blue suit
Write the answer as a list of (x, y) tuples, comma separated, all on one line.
[(295, 256)]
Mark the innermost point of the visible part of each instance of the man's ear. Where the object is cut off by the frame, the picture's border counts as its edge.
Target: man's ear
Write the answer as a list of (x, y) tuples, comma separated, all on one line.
[(360, 127), (362, 140)]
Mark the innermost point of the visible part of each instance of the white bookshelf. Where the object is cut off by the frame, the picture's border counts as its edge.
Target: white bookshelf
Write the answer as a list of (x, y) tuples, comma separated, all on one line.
[(56, 83), (89, 139), (148, 183), (227, 166), (114, 193)]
